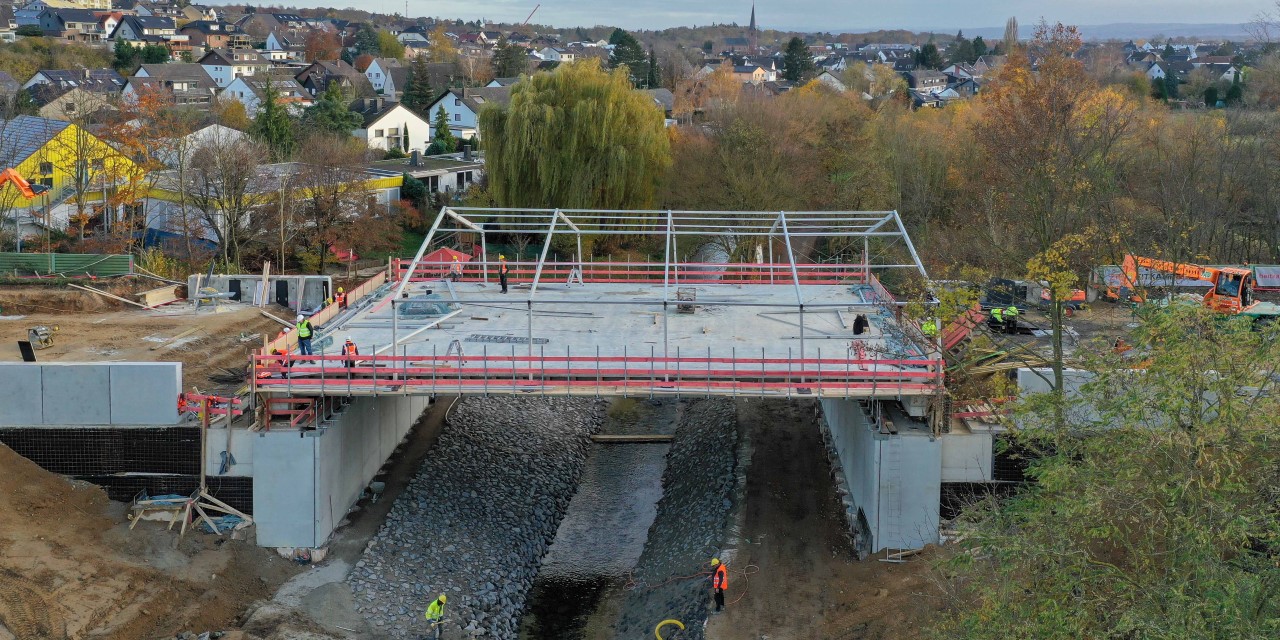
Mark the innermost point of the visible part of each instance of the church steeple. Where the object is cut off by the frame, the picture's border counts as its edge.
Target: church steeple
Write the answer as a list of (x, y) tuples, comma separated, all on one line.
[(751, 29)]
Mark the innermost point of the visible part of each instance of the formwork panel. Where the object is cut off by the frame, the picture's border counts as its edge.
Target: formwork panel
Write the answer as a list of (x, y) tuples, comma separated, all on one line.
[(21, 401), (76, 393), (145, 393)]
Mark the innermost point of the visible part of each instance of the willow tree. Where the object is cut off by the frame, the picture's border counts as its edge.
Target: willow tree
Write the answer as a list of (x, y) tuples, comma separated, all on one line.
[(575, 138)]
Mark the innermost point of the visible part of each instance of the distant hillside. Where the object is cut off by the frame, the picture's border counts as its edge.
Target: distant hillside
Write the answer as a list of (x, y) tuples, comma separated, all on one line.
[(1133, 31)]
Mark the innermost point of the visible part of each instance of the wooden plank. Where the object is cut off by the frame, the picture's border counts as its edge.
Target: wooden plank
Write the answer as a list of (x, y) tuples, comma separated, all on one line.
[(635, 439), (170, 341), (105, 294), (266, 273), (158, 296)]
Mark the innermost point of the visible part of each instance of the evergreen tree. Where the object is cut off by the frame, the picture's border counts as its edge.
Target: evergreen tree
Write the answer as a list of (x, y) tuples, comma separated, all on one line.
[(1235, 95), (1211, 97), (797, 64), (330, 113), (962, 50), (367, 42), (628, 53), (418, 93), (273, 125), (708, 47), (1169, 51), (443, 140), (653, 81), (979, 47), (1171, 85), (404, 137), (509, 60), (928, 57)]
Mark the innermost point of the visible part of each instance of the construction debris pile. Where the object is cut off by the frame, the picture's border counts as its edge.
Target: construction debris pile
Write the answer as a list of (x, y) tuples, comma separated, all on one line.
[(689, 528), (477, 519)]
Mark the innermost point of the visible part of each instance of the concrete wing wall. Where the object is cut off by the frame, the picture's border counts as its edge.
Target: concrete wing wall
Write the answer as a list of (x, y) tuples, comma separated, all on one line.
[(118, 393)]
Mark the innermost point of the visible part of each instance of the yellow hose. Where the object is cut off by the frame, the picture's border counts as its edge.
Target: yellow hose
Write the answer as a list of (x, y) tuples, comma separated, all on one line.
[(657, 631)]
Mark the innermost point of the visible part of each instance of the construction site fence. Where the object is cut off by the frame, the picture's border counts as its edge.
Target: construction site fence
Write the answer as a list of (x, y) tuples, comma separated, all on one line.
[(486, 373), (288, 341), (65, 264), (647, 272)]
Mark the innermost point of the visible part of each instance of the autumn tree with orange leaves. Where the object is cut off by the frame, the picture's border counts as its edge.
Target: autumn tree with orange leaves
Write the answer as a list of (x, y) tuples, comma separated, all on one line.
[(1051, 138)]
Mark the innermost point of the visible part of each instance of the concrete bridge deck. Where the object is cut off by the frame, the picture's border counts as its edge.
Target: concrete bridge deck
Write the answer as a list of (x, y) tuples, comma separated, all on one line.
[(772, 329)]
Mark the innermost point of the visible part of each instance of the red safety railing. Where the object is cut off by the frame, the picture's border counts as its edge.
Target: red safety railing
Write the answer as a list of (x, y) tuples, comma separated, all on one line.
[(648, 272), (558, 374), (298, 412)]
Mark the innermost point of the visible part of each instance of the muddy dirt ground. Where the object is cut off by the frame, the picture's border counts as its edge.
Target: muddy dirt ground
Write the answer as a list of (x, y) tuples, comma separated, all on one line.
[(71, 568), (96, 329), (809, 585)]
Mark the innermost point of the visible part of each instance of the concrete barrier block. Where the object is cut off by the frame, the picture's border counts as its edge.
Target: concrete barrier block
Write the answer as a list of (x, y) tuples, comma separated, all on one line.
[(76, 393), (21, 402), (145, 393)]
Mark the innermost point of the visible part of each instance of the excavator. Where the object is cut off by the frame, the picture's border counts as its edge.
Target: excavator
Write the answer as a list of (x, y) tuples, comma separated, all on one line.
[(27, 189), (1231, 293)]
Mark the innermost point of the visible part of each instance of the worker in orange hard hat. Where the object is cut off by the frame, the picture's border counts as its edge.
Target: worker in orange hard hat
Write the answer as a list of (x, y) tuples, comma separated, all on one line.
[(455, 270), (719, 582), (502, 272), (341, 298)]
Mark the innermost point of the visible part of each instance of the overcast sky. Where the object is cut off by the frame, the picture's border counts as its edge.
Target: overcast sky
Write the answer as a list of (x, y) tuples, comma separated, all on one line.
[(826, 15)]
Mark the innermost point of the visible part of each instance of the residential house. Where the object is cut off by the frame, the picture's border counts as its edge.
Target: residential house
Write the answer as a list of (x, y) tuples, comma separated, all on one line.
[(186, 82), (557, 54), (379, 71), (413, 39), (830, 80), (76, 77), (144, 30), (396, 82), (462, 107), (225, 65), (76, 25), (279, 48), (8, 86), (251, 91), (195, 12), (317, 77), (926, 81), (751, 74), (291, 20), (664, 100), (69, 162), (213, 34), (8, 24), (502, 82), (441, 174), (1201, 61), (391, 125), (259, 25), (1159, 70), (171, 213), (1224, 72)]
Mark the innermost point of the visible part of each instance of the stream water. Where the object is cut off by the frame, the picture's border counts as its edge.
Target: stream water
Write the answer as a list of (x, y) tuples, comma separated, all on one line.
[(606, 526)]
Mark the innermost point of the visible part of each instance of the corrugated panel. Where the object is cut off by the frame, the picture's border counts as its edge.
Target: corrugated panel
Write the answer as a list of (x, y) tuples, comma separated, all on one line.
[(70, 264), (1267, 277)]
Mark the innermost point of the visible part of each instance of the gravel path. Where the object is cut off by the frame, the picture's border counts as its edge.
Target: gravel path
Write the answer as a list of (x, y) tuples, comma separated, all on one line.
[(689, 528), (478, 517)]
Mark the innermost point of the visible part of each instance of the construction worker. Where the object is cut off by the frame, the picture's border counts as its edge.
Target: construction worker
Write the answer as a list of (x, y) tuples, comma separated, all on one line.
[(435, 616), (304, 335), (455, 270), (1011, 319), (719, 582), (997, 318), (349, 349), (341, 298), (502, 272)]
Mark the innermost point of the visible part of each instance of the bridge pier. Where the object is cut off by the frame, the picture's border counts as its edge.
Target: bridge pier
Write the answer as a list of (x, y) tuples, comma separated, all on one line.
[(891, 481)]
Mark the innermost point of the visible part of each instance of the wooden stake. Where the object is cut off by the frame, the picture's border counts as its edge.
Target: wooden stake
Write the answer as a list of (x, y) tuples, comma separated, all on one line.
[(109, 295)]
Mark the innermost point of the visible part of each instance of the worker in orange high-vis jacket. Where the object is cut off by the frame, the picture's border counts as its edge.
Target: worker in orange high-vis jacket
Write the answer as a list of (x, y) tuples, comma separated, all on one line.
[(349, 349), (341, 298), (502, 272), (719, 582)]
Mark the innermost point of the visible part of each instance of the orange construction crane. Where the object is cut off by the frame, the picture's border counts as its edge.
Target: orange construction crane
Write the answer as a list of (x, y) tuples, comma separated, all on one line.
[(1232, 290), (27, 189)]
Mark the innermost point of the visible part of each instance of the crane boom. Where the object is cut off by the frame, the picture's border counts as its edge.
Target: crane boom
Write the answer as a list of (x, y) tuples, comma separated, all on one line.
[(535, 10)]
